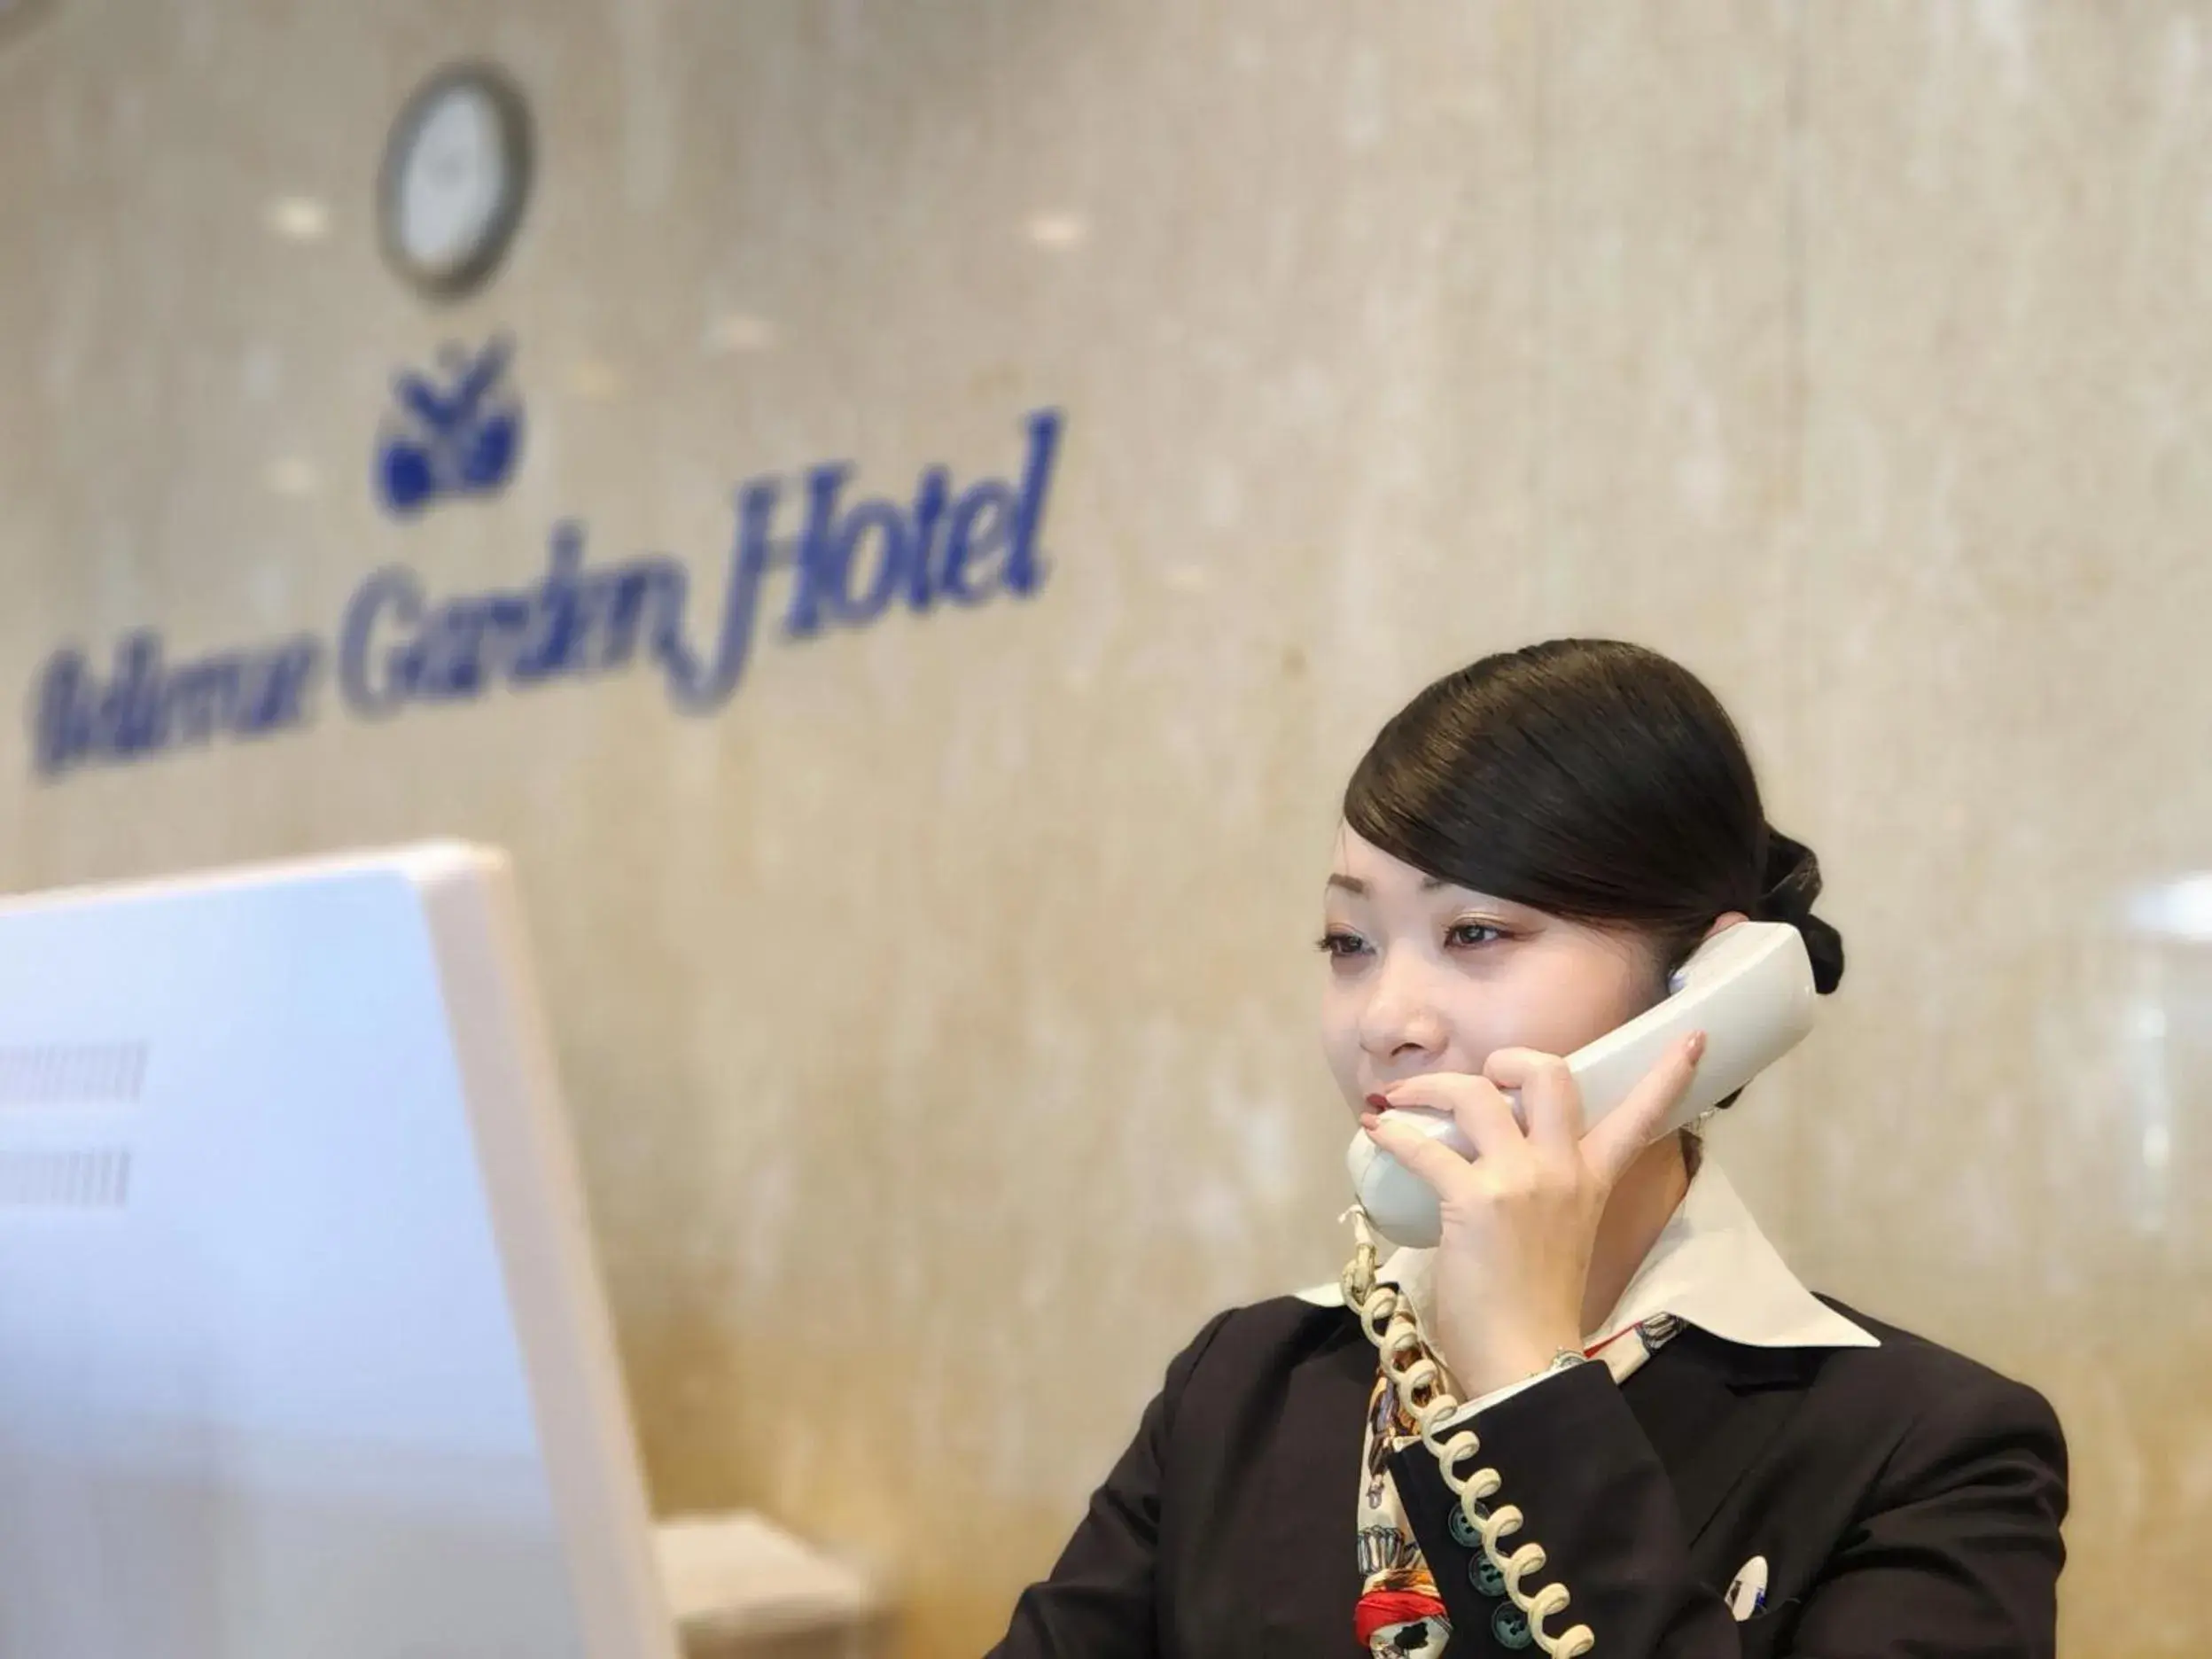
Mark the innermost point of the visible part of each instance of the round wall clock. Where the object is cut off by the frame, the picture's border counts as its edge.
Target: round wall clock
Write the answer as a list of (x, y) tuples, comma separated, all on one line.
[(456, 177)]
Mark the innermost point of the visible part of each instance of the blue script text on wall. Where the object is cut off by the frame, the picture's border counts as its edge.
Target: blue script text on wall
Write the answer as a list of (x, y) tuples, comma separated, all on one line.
[(840, 563)]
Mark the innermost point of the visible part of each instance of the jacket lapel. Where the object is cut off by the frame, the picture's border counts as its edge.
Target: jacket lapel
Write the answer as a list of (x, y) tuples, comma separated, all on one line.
[(1307, 1552), (1709, 1408)]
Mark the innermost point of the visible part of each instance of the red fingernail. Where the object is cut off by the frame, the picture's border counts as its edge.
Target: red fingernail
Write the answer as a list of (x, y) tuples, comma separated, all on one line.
[(1696, 1047)]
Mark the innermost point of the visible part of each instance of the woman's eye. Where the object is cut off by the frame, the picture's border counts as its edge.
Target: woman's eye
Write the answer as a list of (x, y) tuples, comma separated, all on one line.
[(1340, 945), (1468, 935)]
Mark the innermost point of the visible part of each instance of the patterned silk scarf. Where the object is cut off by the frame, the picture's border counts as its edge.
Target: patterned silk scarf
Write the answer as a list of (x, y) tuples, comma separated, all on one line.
[(1400, 1615)]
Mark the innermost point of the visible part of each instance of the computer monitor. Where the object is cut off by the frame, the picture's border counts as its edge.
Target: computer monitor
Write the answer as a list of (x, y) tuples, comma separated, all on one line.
[(302, 1349)]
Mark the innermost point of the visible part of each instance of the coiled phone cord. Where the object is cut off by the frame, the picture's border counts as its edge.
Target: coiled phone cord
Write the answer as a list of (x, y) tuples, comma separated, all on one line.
[(1391, 1325)]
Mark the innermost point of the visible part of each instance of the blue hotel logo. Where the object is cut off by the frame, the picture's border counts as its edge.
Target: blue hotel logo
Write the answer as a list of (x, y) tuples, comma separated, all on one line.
[(463, 437), (832, 559)]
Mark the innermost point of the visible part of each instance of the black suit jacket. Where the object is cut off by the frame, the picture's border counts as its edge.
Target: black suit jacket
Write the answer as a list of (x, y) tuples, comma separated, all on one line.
[(1907, 1502)]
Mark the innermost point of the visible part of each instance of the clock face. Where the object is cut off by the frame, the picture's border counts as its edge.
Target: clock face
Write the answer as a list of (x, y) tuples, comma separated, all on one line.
[(455, 176)]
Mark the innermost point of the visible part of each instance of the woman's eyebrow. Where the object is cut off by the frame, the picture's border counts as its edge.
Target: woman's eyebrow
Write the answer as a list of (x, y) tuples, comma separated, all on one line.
[(1354, 884)]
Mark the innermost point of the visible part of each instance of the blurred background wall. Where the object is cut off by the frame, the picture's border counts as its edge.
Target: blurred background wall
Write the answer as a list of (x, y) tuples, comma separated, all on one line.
[(936, 1011)]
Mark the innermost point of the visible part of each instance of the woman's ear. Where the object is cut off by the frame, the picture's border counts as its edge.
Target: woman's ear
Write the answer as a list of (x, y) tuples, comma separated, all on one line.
[(1721, 924)]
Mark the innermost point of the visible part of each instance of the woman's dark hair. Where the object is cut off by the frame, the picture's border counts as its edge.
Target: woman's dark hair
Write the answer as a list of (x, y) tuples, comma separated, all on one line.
[(1595, 780)]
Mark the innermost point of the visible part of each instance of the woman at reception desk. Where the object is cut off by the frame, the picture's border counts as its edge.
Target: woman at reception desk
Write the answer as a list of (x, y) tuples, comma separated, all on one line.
[(1585, 1407)]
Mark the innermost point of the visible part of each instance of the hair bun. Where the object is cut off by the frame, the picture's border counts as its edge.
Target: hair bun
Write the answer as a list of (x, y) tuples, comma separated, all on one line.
[(1792, 879)]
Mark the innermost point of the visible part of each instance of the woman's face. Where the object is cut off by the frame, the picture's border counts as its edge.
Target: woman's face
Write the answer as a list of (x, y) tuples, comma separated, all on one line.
[(1425, 976)]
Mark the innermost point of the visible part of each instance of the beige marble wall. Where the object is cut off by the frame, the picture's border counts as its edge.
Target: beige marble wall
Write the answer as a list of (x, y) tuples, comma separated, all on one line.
[(935, 1016)]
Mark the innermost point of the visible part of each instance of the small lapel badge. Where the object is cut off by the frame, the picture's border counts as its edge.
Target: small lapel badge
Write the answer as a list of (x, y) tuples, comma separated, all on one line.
[(1747, 1593)]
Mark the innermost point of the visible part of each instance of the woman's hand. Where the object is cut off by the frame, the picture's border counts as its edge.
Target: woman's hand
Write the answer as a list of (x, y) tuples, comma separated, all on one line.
[(1520, 1217)]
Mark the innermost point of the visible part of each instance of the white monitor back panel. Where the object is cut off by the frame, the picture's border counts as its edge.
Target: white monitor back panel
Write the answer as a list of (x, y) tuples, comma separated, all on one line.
[(301, 1351)]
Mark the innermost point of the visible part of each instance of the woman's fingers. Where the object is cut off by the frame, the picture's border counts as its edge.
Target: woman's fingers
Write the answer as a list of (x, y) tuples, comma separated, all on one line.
[(1611, 1147), (1551, 1101), (1436, 1164), (1483, 1115)]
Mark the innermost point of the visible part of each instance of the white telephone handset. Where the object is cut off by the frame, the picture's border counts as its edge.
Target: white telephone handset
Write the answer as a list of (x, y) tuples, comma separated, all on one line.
[(1748, 988)]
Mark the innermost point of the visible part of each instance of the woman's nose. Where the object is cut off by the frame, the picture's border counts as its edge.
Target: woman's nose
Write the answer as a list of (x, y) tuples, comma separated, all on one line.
[(1400, 1020)]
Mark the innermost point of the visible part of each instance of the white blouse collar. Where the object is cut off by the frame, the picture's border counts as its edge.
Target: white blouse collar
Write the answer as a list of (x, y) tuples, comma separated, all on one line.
[(1710, 1267)]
